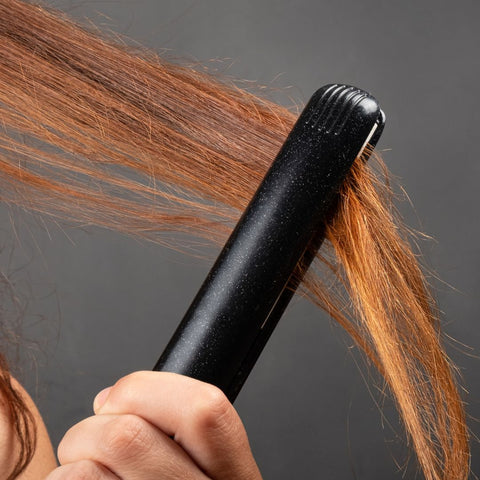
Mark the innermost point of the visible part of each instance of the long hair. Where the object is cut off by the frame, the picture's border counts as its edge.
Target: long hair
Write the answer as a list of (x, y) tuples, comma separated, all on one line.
[(103, 134)]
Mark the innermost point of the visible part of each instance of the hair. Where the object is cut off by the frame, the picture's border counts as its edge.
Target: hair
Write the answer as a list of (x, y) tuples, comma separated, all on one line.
[(104, 134)]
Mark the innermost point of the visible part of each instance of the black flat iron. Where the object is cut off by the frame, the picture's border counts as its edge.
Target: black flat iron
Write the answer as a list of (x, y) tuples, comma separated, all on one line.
[(256, 274)]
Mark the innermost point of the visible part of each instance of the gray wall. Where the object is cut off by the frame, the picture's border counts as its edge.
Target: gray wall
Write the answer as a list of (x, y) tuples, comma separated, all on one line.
[(102, 305)]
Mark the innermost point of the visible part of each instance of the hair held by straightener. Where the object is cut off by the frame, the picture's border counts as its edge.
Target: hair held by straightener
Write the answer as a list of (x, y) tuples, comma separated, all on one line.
[(103, 134)]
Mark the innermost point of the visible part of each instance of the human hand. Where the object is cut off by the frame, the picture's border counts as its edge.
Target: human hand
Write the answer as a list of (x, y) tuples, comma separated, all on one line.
[(158, 426)]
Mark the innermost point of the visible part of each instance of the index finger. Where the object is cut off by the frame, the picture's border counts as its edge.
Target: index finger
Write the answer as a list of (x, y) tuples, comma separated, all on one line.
[(197, 415)]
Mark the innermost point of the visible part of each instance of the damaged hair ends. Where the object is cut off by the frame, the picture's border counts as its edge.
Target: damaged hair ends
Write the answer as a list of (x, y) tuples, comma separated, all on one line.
[(103, 134)]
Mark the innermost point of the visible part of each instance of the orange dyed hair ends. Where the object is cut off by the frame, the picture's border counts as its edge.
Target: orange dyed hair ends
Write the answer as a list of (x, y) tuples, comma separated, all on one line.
[(104, 135)]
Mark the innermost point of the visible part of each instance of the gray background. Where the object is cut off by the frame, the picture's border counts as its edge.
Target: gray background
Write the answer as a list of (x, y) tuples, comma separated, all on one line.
[(101, 305)]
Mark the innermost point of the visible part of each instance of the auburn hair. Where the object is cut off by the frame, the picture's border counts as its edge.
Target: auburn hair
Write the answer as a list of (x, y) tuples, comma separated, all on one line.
[(103, 134)]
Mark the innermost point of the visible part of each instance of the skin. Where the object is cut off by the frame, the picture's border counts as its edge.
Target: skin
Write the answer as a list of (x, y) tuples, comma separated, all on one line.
[(43, 460), (158, 426)]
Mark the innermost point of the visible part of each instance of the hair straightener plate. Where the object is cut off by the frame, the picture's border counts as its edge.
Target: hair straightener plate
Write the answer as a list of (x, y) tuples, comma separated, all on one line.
[(248, 288)]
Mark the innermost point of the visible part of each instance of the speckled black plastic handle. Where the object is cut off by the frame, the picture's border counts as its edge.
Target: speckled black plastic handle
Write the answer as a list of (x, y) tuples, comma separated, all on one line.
[(258, 270)]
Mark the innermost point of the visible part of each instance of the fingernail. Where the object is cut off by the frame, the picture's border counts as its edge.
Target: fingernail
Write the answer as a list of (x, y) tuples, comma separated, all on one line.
[(100, 399)]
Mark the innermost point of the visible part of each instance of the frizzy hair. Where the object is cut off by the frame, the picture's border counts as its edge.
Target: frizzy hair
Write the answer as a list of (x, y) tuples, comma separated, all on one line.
[(102, 134)]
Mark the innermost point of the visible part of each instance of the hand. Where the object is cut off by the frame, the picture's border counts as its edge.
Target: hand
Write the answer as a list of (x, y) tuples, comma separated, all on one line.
[(158, 426)]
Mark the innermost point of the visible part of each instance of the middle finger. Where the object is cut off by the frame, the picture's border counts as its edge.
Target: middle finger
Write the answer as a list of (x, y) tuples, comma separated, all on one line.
[(129, 446)]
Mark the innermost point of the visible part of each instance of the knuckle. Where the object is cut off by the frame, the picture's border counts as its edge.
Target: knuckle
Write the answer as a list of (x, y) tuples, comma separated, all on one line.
[(66, 448), (126, 437), (211, 409)]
